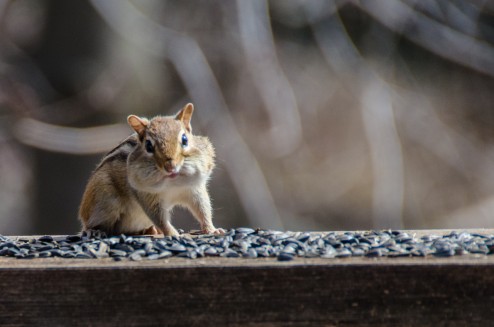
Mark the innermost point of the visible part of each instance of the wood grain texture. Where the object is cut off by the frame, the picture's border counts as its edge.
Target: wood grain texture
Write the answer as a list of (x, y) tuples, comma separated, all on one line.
[(369, 293)]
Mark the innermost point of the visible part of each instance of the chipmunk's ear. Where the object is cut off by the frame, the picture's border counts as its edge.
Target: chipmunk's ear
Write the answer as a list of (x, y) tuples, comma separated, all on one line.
[(185, 115), (138, 124)]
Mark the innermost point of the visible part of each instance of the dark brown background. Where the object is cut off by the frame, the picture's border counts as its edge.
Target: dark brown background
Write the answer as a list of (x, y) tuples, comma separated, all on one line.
[(325, 115)]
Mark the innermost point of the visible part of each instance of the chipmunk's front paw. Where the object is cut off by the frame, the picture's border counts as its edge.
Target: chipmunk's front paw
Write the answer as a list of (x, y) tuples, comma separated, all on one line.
[(214, 231)]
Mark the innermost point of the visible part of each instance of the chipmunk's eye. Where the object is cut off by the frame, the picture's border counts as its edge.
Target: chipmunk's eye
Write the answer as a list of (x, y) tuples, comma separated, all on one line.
[(149, 146), (185, 140)]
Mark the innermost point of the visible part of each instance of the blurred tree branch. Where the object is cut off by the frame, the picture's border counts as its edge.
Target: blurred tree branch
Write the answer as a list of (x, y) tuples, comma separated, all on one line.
[(438, 37)]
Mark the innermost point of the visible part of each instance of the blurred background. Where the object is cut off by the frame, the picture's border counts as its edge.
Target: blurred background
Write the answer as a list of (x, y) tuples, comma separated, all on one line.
[(326, 115)]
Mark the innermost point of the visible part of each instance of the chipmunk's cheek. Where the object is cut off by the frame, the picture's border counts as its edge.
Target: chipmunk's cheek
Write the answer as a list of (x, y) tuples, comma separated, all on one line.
[(186, 170)]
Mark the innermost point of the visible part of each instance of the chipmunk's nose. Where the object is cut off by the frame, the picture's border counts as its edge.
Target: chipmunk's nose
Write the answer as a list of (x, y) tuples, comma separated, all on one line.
[(170, 166)]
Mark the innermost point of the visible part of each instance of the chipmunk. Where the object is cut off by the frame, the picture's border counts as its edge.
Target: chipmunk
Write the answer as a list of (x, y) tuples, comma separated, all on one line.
[(135, 186)]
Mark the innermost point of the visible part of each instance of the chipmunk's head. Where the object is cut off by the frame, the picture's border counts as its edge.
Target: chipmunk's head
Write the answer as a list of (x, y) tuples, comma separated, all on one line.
[(165, 140)]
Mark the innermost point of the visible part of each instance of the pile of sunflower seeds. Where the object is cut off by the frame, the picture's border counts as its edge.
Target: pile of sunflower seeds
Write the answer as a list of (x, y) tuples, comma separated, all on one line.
[(249, 243)]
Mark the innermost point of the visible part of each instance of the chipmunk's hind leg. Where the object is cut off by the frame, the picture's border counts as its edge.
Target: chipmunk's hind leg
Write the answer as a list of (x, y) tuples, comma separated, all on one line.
[(108, 229), (104, 218)]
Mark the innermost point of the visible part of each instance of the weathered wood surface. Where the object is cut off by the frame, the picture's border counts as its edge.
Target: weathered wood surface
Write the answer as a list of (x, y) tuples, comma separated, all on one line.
[(457, 291)]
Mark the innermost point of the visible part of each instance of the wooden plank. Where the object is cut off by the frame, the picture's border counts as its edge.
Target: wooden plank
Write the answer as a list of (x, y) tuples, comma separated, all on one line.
[(239, 292), (456, 291)]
